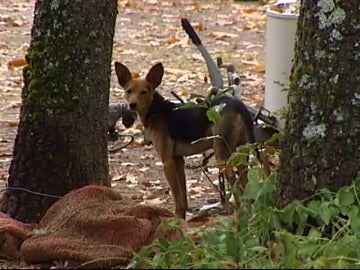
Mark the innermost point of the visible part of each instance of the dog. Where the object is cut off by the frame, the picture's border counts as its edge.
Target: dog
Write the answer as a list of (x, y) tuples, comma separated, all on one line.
[(178, 132)]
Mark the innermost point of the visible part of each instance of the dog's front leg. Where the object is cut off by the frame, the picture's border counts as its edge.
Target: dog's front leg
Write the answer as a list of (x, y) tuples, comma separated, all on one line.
[(175, 174), (173, 165)]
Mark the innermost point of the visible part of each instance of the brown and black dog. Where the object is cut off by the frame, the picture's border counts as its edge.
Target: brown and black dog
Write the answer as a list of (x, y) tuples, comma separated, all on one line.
[(176, 133)]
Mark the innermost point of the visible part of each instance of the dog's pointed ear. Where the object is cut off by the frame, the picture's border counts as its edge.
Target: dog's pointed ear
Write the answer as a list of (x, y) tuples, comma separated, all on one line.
[(155, 74), (123, 73)]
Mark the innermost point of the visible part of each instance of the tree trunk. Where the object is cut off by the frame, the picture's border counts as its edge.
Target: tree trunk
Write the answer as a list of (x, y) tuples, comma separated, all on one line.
[(322, 133), (61, 141)]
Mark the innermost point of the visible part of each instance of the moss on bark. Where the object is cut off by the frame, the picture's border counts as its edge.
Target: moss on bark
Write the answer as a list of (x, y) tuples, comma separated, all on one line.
[(61, 141)]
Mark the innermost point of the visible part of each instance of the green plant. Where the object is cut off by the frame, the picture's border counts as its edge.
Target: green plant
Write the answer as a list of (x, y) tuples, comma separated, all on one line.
[(322, 231), (235, 243)]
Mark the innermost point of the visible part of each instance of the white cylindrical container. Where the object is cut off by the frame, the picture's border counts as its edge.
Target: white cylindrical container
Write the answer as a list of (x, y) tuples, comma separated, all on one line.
[(280, 42)]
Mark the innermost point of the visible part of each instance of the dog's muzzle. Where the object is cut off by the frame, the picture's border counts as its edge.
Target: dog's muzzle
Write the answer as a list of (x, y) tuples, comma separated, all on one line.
[(133, 106)]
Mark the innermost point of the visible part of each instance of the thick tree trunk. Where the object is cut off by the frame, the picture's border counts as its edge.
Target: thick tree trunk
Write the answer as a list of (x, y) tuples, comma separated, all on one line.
[(322, 134), (61, 141)]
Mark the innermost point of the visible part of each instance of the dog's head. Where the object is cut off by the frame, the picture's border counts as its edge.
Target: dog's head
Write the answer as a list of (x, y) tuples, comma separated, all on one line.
[(139, 92)]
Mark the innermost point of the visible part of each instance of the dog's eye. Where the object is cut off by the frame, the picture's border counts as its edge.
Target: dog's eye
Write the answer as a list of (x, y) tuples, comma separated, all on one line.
[(128, 91), (143, 92)]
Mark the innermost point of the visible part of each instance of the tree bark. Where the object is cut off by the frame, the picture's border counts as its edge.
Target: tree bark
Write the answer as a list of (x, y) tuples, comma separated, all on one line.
[(61, 141), (322, 133)]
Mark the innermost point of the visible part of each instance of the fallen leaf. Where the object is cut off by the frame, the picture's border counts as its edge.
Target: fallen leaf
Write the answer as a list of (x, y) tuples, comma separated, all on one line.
[(259, 68), (12, 123), (152, 196), (126, 164), (195, 190), (129, 52), (133, 131), (152, 2), (222, 35), (146, 156), (113, 184), (156, 201), (154, 43), (184, 92), (171, 40), (11, 105), (249, 10), (194, 196), (158, 164), (197, 57), (224, 22), (206, 80), (175, 71), (144, 169), (130, 178), (140, 142), (155, 182), (18, 22), (9, 21), (19, 62), (252, 62), (183, 78), (118, 178), (198, 27)]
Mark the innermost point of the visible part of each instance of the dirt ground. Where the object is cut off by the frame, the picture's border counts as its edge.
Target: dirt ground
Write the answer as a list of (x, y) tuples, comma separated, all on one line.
[(149, 31)]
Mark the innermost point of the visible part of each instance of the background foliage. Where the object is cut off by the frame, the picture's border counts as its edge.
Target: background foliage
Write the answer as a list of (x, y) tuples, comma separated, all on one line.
[(321, 231)]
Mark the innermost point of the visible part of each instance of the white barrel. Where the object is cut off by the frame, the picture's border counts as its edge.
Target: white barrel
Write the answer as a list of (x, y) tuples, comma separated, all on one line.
[(280, 42)]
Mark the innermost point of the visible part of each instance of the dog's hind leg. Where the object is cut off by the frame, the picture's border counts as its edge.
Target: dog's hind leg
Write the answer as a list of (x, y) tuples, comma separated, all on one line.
[(181, 181), (231, 131), (175, 174)]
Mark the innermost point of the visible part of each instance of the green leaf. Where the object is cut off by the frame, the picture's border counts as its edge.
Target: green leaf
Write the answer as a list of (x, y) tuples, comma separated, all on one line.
[(195, 95), (300, 217), (275, 220), (287, 213), (328, 211), (189, 105), (259, 249), (326, 193), (314, 234), (275, 138), (255, 174), (352, 211), (288, 250), (213, 115), (232, 246), (242, 225), (253, 186), (325, 213), (238, 158), (345, 198), (314, 205), (164, 243), (355, 225), (307, 249)]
